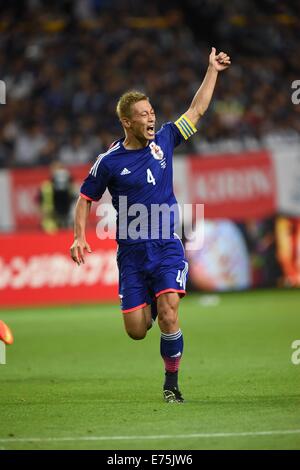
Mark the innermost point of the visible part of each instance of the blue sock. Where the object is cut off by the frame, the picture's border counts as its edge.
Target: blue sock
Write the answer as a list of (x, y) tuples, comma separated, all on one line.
[(171, 349)]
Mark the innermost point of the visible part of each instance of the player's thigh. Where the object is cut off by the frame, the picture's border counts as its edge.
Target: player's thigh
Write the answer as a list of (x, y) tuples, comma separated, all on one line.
[(168, 303), (133, 289), (135, 323), (171, 269)]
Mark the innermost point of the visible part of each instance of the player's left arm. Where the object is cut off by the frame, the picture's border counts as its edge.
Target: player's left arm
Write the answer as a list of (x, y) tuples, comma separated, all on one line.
[(202, 98)]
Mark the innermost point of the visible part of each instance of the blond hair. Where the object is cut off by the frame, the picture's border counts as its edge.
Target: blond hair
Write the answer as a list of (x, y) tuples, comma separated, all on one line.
[(129, 98)]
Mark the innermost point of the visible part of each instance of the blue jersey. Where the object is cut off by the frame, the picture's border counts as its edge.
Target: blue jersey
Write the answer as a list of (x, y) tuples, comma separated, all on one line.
[(140, 177)]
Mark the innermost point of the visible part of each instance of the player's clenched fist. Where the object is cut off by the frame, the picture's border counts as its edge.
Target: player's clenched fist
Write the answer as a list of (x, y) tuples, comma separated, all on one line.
[(77, 250)]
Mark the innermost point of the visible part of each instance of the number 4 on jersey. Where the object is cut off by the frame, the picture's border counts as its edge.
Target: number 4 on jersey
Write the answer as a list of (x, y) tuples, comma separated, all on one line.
[(150, 177), (181, 275)]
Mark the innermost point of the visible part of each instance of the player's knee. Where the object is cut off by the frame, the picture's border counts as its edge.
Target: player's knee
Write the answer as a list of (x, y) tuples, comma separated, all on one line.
[(136, 334), (168, 321), (135, 324)]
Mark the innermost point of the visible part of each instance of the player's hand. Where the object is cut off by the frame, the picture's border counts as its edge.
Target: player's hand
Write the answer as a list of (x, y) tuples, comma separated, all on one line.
[(77, 250), (219, 61)]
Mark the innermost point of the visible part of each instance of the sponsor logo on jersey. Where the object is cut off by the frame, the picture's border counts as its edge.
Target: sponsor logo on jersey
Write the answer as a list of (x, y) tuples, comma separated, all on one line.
[(125, 172)]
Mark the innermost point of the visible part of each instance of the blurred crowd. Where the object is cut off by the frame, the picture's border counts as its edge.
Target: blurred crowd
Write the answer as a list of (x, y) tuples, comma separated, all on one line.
[(65, 63)]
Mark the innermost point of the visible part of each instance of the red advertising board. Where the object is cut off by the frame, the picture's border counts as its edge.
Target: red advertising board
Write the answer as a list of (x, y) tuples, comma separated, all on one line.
[(25, 185), (24, 196), (236, 187), (230, 186), (36, 269)]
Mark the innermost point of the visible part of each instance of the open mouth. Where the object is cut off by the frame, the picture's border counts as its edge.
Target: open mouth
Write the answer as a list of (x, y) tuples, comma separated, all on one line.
[(150, 130)]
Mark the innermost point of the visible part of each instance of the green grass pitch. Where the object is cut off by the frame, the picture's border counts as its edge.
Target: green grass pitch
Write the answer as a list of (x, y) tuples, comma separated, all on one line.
[(74, 380)]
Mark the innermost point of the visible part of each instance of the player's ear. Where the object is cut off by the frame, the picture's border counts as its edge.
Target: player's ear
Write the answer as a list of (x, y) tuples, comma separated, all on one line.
[(126, 123)]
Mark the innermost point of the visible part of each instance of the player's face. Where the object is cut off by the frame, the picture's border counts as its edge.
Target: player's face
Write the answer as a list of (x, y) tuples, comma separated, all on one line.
[(143, 120)]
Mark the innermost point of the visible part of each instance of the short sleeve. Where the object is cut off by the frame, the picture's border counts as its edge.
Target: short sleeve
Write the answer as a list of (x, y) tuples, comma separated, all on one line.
[(96, 182)]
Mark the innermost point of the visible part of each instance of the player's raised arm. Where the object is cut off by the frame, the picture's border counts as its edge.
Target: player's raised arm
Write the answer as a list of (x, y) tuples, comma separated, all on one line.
[(80, 244), (201, 100)]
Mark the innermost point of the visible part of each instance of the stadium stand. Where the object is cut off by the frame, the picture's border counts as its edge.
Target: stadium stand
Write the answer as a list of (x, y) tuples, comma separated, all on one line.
[(65, 64)]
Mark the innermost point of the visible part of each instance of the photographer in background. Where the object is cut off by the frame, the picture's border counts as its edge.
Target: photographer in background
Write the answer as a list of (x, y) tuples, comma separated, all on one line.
[(56, 198)]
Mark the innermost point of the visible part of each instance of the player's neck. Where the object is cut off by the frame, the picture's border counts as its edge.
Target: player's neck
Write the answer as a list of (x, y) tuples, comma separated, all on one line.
[(131, 142)]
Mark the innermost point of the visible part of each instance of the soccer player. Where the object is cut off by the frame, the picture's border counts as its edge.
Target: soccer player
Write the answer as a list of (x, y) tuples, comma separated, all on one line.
[(152, 267)]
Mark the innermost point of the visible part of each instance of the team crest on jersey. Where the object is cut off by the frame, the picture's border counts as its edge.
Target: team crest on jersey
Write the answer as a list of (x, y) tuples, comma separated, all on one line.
[(156, 151), (158, 154)]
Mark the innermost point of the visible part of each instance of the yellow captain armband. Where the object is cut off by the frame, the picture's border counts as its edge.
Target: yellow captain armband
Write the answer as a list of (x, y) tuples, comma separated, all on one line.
[(185, 126)]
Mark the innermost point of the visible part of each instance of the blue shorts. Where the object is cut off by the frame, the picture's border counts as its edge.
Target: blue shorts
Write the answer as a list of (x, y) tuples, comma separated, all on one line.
[(148, 269)]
